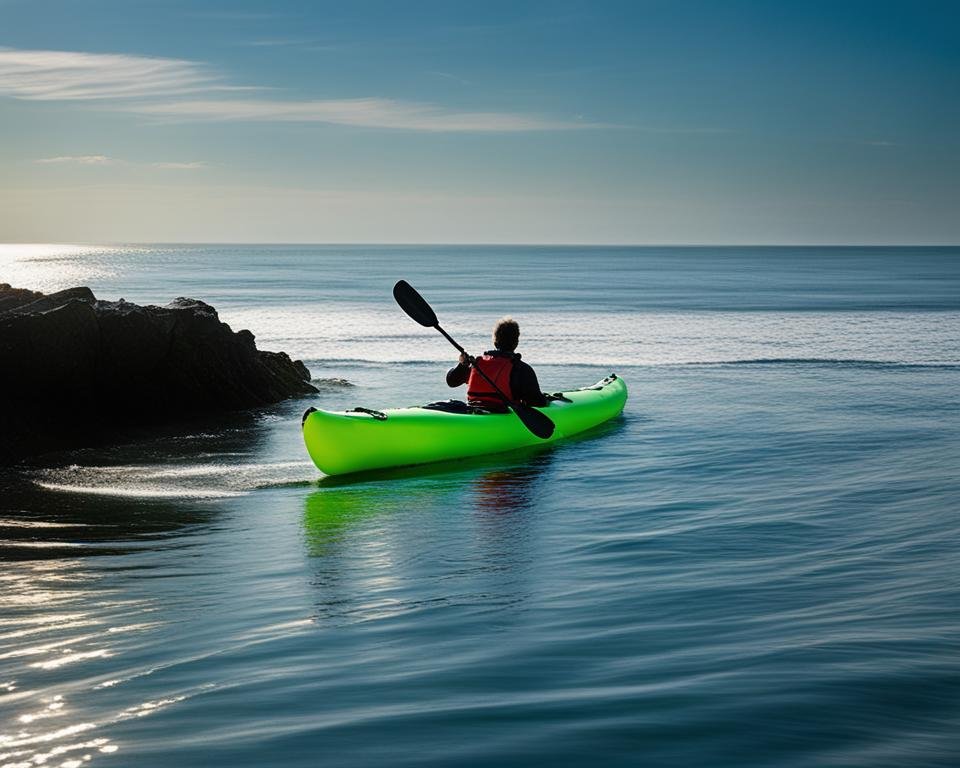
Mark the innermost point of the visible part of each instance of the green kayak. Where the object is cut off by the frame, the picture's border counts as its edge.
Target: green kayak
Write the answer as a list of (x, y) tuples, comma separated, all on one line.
[(354, 441)]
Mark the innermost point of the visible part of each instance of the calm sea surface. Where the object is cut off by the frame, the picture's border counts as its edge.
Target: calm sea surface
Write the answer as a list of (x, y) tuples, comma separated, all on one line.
[(757, 565)]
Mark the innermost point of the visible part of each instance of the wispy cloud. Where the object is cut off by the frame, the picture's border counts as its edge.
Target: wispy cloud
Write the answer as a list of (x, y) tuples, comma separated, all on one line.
[(179, 166), (449, 76), (105, 160), (291, 42), (233, 15), (365, 113), (681, 130), (162, 88), (78, 159), (71, 75)]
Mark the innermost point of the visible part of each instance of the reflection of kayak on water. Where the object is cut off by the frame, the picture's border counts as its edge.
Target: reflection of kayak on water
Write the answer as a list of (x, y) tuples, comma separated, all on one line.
[(490, 487), (354, 441)]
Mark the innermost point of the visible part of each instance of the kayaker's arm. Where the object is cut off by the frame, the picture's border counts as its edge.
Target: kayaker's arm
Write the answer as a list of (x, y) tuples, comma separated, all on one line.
[(526, 388), (458, 375)]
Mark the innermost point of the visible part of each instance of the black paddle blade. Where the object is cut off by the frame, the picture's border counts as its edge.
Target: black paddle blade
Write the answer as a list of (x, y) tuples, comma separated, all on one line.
[(414, 304), (538, 423)]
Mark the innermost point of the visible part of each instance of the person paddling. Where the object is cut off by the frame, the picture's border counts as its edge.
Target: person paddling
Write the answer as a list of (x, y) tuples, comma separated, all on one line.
[(503, 366)]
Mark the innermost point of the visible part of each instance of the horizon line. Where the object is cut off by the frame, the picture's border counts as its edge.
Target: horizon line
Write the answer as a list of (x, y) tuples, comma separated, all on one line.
[(530, 244)]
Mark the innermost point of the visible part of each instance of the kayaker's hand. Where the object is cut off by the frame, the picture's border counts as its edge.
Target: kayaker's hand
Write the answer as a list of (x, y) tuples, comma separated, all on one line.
[(464, 359)]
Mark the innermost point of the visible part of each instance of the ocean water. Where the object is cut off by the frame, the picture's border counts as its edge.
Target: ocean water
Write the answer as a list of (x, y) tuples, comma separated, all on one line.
[(756, 565)]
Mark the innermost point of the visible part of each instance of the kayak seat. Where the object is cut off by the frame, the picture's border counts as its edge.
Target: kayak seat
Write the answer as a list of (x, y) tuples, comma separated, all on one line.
[(455, 406)]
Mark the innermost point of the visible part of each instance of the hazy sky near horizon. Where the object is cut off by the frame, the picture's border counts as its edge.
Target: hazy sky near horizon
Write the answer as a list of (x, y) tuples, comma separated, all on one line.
[(675, 121)]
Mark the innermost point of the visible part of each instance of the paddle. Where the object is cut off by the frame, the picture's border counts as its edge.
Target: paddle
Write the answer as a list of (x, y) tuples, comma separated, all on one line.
[(416, 306)]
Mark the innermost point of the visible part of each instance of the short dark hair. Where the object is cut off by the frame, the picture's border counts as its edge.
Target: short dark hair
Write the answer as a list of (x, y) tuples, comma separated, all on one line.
[(506, 334)]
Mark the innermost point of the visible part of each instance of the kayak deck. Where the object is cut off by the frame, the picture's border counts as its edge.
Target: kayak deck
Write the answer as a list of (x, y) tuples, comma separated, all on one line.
[(355, 441)]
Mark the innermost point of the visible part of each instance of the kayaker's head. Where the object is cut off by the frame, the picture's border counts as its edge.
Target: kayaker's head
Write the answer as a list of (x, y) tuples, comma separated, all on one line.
[(506, 334)]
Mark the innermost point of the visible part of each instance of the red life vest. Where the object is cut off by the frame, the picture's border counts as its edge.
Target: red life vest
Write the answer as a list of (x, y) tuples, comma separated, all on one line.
[(498, 370)]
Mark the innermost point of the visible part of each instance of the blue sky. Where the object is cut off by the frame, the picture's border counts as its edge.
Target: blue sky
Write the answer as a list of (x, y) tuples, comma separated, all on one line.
[(600, 122)]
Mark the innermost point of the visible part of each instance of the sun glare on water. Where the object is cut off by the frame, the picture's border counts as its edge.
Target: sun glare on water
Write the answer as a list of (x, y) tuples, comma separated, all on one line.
[(51, 267), (30, 251)]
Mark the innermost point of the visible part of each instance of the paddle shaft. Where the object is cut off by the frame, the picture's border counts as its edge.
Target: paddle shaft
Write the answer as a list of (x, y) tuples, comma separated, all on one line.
[(450, 338)]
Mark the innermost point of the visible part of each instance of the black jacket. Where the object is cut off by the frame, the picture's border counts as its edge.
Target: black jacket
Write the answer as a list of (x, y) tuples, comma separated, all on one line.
[(523, 380)]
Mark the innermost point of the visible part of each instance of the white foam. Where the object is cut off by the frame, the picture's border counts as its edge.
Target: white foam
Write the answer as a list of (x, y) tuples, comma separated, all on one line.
[(144, 492)]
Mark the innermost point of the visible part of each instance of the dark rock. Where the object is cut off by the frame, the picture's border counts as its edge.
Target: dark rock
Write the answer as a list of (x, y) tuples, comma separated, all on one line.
[(10, 297), (73, 368), (43, 303)]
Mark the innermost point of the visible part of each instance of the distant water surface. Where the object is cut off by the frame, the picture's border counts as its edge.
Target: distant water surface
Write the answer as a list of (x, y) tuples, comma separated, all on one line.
[(755, 566)]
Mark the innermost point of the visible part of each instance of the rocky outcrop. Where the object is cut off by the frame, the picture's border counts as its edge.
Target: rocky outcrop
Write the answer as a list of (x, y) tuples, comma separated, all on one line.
[(73, 368)]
